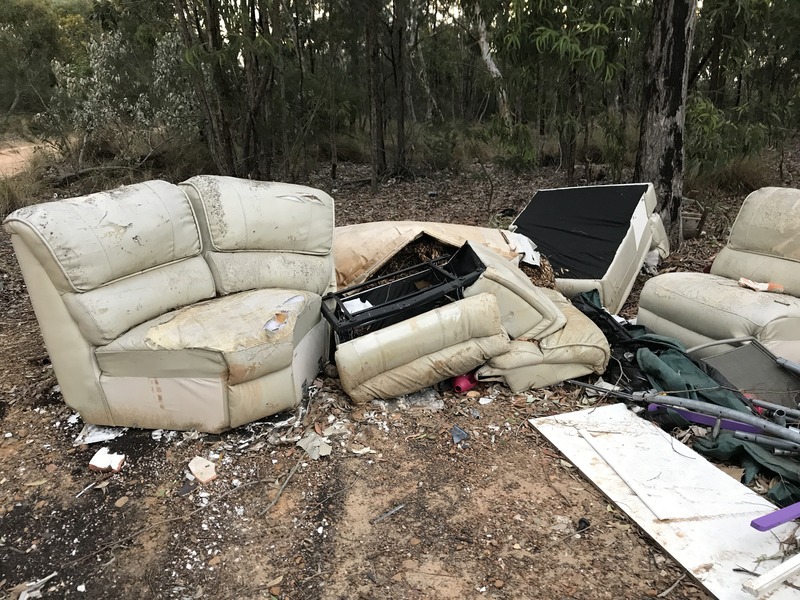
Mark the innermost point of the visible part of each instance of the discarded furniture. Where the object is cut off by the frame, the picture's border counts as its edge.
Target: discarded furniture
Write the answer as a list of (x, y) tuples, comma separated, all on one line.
[(474, 325), (361, 250), (400, 295), (763, 246), (754, 370), (595, 237), (574, 350), (698, 514), (180, 307), (412, 354)]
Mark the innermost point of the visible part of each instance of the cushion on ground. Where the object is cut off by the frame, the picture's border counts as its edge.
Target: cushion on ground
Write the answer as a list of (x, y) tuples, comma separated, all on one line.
[(579, 348), (418, 352)]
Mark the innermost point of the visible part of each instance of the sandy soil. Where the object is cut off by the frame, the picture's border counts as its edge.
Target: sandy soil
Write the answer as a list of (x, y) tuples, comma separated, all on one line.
[(14, 158), (494, 517)]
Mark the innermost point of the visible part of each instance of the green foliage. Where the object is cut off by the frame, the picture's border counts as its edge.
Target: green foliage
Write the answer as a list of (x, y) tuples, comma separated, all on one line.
[(114, 109), (715, 140), (276, 86), (28, 41)]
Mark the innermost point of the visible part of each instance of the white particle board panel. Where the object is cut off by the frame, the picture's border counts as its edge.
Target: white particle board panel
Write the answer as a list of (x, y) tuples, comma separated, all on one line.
[(705, 515)]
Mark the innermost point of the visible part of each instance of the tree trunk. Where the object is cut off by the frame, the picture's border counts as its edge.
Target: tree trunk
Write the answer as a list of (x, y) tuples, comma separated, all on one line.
[(494, 71), (659, 158), (398, 65), (377, 151)]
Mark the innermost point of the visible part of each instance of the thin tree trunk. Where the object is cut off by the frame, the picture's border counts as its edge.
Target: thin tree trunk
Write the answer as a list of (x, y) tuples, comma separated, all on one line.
[(398, 65), (491, 66), (377, 152), (659, 158)]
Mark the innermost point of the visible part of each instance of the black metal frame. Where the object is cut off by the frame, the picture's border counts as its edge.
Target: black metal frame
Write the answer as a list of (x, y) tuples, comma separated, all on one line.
[(402, 294)]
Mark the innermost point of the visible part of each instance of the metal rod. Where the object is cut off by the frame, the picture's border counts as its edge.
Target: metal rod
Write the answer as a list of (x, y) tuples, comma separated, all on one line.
[(766, 440), (788, 365), (706, 408), (794, 414), (727, 413)]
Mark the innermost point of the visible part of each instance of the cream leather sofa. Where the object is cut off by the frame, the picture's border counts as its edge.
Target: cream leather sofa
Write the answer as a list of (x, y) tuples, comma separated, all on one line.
[(764, 246), (552, 341), (181, 307)]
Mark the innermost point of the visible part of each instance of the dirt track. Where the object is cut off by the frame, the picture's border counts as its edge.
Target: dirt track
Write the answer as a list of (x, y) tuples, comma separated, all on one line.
[(14, 158)]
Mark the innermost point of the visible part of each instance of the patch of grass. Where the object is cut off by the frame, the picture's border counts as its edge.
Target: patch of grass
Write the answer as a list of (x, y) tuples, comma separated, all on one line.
[(740, 176)]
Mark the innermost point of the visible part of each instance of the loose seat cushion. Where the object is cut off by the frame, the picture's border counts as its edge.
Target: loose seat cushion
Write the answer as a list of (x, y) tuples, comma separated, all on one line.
[(577, 349), (418, 352), (717, 308), (240, 337)]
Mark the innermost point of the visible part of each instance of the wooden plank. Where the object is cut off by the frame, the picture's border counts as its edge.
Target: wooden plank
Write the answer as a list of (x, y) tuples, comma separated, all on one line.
[(773, 578), (709, 547)]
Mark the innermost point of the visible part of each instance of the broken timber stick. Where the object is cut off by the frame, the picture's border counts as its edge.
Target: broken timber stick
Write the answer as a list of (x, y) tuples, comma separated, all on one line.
[(767, 582)]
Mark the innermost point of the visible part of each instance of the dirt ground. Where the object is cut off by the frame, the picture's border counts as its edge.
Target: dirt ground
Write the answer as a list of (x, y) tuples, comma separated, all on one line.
[(14, 157), (396, 511)]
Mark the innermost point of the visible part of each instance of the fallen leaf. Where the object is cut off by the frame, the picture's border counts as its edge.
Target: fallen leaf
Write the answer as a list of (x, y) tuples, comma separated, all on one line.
[(121, 502), (35, 483), (214, 561), (275, 581)]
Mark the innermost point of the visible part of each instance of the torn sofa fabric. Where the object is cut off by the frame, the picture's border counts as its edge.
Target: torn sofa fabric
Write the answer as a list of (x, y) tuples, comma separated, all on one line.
[(359, 251)]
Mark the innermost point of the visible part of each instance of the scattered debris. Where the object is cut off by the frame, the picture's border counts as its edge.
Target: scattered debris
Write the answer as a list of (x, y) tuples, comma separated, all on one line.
[(315, 445), (758, 286), (187, 488), (27, 591), (387, 514), (772, 579), (464, 383), (203, 469), (459, 435), (485, 400), (425, 399), (583, 523), (92, 434), (121, 502), (104, 461)]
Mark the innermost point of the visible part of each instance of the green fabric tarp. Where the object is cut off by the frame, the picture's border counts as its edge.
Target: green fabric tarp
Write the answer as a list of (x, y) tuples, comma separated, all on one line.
[(665, 365)]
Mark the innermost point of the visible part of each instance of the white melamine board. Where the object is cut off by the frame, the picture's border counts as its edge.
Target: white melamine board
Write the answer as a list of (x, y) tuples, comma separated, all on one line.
[(709, 543)]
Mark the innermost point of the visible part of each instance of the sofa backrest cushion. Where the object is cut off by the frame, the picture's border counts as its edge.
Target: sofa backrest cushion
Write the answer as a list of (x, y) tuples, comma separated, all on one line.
[(526, 312), (764, 244), (118, 258), (260, 234), (90, 241)]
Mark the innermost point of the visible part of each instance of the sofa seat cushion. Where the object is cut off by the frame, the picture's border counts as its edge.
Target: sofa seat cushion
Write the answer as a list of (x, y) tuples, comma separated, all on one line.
[(408, 356), (717, 308), (238, 337)]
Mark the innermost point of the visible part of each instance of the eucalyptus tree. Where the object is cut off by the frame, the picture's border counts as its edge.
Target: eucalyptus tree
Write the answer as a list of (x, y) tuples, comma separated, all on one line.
[(28, 42), (660, 156)]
